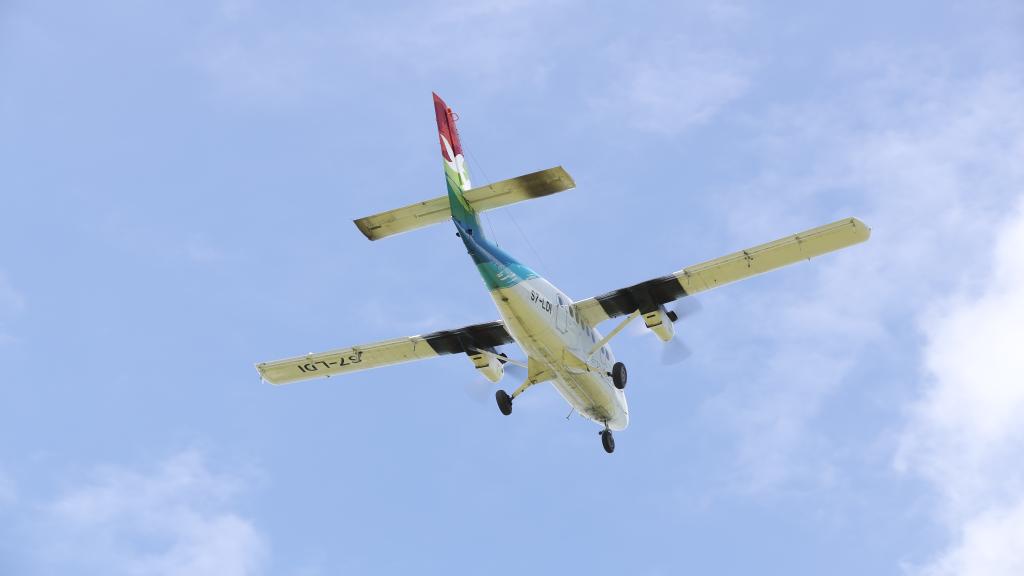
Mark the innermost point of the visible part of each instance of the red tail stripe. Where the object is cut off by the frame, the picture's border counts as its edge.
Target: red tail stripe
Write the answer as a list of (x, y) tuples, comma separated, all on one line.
[(446, 128)]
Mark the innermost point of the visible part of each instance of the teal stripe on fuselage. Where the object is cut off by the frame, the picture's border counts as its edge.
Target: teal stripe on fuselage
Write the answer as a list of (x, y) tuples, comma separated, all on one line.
[(498, 268)]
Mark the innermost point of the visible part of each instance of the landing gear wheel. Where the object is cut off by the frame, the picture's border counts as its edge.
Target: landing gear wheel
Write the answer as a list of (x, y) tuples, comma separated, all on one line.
[(619, 375), (607, 441), (504, 402)]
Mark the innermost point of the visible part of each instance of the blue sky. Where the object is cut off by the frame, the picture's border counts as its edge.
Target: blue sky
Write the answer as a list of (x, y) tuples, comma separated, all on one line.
[(178, 184)]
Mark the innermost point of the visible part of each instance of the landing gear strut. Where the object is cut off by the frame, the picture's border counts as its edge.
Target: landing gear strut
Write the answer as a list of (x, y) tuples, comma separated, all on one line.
[(607, 441), (505, 399)]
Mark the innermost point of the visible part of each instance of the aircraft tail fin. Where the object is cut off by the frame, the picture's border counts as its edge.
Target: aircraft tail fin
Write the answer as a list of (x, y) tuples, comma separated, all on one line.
[(455, 170), (463, 202)]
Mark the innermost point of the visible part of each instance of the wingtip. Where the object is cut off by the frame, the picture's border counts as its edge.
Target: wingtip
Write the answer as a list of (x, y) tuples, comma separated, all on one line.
[(567, 176), (863, 229), (364, 227)]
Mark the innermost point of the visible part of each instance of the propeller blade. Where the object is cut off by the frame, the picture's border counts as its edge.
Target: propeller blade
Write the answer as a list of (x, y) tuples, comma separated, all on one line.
[(675, 351), (479, 390), (515, 371)]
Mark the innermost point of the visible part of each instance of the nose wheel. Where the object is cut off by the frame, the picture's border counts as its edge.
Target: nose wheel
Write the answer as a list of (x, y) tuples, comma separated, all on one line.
[(607, 440)]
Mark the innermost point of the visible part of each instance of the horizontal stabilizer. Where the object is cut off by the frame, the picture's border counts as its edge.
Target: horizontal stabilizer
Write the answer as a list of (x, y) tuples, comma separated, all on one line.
[(503, 193)]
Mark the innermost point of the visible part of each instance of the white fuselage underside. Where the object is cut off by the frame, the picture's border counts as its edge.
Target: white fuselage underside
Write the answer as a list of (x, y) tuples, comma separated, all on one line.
[(538, 316)]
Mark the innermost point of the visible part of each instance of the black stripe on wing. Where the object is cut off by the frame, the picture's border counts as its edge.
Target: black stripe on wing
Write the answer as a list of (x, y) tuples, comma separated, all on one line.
[(645, 296), (478, 336)]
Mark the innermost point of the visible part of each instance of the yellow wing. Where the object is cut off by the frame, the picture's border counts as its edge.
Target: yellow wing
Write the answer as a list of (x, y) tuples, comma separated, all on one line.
[(720, 271), (345, 360)]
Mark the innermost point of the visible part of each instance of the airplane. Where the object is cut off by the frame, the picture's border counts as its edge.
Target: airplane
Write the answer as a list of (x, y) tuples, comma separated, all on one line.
[(558, 335)]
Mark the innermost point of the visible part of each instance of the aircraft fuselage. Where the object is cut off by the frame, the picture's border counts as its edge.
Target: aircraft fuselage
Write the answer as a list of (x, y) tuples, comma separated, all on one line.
[(542, 321)]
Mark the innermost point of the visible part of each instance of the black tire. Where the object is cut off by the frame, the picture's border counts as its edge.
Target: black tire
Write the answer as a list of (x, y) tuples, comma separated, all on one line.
[(619, 375), (504, 402), (608, 441)]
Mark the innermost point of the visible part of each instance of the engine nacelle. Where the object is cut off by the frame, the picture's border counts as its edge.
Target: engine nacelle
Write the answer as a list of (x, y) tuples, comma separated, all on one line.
[(660, 322), (488, 365)]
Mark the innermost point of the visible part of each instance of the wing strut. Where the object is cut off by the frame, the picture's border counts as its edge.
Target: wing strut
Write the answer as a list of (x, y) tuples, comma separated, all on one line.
[(612, 334)]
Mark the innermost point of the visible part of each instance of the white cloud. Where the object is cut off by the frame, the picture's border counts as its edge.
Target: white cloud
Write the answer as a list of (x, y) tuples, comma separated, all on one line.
[(937, 166), (990, 545), (174, 520), (931, 166), (966, 434)]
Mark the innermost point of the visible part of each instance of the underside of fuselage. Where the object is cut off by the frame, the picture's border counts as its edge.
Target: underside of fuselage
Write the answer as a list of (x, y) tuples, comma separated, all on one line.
[(540, 319), (530, 312)]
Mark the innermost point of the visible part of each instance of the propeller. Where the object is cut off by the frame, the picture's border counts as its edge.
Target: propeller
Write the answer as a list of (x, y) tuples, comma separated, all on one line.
[(675, 350), (481, 390), (515, 371)]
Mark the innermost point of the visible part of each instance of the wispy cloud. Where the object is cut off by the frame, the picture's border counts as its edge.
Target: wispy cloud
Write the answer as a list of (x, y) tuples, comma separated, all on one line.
[(479, 40), (967, 432), (12, 302), (931, 166), (673, 79), (670, 87), (173, 520), (8, 490), (988, 544), (200, 250), (252, 52)]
